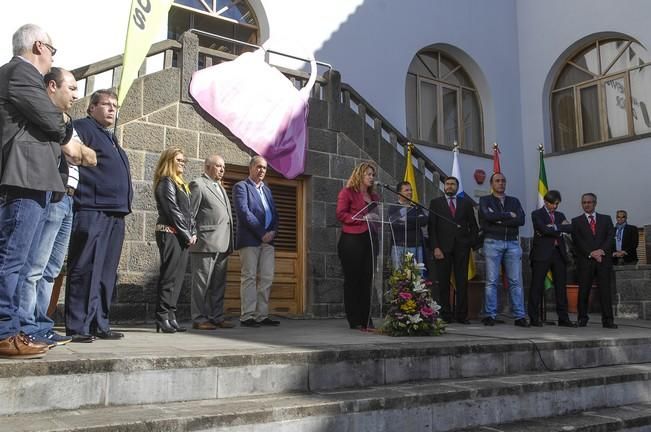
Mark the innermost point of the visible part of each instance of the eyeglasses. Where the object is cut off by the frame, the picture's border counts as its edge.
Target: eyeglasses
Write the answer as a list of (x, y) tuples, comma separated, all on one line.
[(50, 47)]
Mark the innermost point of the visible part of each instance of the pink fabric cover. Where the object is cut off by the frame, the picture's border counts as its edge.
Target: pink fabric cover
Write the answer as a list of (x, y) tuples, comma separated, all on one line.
[(260, 106)]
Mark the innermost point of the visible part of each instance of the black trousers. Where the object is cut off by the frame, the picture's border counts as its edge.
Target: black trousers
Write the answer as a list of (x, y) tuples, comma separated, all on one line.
[(173, 262), (457, 259), (539, 270), (587, 270), (356, 255), (93, 258)]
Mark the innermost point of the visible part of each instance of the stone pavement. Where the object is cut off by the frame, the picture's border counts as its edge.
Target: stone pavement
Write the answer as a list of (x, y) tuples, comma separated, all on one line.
[(293, 334)]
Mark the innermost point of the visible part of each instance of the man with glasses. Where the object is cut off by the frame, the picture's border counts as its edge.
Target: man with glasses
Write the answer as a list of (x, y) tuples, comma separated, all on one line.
[(501, 217), (592, 233), (625, 241), (32, 130), (102, 200)]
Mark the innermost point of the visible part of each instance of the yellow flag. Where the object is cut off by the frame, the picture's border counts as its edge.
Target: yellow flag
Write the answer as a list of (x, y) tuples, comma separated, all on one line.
[(409, 174), (145, 21)]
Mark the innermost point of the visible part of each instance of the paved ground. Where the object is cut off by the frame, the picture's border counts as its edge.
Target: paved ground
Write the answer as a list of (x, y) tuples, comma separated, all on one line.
[(293, 335)]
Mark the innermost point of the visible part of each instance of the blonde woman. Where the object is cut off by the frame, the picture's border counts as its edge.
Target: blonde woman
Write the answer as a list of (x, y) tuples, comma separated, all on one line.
[(355, 247), (175, 232)]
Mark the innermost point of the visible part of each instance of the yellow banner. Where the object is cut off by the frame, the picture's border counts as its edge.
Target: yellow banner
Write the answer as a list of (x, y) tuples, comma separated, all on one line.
[(410, 176), (145, 21)]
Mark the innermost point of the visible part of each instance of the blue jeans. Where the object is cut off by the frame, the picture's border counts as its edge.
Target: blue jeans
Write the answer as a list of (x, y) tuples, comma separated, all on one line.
[(510, 253), (22, 214), (43, 266)]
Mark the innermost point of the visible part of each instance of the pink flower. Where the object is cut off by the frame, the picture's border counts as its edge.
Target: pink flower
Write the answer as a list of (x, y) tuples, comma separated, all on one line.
[(405, 295), (426, 311)]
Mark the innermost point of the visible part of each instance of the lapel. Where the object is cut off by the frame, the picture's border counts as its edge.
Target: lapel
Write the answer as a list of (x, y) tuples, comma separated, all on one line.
[(209, 185)]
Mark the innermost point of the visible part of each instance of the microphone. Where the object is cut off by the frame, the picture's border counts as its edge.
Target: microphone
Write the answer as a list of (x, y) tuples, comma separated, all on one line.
[(380, 184)]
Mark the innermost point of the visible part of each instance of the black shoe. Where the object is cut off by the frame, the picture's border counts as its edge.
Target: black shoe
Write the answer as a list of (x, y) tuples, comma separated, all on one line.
[(566, 323), (499, 321), (269, 322), (109, 335), (522, 322), (535, 323), (489, 321), (609, 325), (583, 322), (81, 338), (249, 323), (463, 321), (165, 326), (355, 327), (175, 325)]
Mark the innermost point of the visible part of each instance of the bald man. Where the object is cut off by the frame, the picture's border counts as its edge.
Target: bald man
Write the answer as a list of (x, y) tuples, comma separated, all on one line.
[(212, 212)]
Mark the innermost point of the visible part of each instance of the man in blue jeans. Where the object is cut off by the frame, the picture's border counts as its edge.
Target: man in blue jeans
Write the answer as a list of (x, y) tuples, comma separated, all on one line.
[(32, 132), (48, 252), (501, 217)]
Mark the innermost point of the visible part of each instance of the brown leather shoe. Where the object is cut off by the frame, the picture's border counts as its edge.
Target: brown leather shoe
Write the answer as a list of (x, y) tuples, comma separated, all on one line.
[(223, 324), (21, 347), (206, 325)]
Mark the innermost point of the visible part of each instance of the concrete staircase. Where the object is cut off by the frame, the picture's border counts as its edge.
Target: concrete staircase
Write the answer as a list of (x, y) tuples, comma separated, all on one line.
[(331, 379)]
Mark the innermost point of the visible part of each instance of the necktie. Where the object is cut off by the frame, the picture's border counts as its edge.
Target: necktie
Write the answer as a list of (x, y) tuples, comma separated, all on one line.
[(552, 218), (620, 231), (453, 209), (593, 225)]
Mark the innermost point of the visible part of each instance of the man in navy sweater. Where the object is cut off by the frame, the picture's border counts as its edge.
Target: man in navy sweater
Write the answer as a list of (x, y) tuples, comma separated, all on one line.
[(102, 200), (501, 217)]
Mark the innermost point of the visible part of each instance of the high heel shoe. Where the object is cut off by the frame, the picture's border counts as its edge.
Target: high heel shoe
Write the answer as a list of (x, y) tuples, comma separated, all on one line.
[(175, 325), (164, 326)]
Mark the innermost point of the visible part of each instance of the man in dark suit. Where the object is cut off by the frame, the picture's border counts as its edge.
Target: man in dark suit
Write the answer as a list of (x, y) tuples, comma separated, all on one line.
[(101, 201), (452, 232), (209, 256), (32, 130), (592, 233), (625, 241), (548, 253), (257, 225)]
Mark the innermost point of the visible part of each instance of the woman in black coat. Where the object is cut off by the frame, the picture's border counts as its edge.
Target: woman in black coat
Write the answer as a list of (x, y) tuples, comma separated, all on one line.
[(175, 233)]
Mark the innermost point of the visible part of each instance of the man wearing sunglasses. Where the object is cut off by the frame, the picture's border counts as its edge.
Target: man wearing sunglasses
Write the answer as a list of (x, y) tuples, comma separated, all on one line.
[(32, 130)]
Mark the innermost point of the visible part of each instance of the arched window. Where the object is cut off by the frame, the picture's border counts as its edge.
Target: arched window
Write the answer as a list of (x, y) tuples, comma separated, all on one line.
[(231, 18), (442, 103), (602, 94)]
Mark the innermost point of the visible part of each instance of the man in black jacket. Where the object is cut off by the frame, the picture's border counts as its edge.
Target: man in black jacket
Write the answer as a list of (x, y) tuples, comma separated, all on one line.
[(625, 241), (452, 231), (501, 217), (548, 253), (592, 233), (32, 130)]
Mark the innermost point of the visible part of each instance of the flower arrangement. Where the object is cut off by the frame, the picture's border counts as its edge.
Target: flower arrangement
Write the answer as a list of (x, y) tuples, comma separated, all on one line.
[(411, 310)]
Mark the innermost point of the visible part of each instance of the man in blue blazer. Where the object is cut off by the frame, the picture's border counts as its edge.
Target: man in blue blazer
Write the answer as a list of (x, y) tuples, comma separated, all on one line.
[(548, 252), (257, 225)]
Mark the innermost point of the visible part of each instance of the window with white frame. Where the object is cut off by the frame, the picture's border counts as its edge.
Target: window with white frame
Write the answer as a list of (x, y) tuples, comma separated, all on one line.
[(602, 94), (442, 103), (231, 18)]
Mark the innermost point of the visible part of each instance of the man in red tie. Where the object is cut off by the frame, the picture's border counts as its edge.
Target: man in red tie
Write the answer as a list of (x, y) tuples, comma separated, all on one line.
[(592, 233), (548, 254), (453, 231)]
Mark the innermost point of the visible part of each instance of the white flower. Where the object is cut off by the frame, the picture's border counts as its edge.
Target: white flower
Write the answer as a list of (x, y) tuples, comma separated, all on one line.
[(415, 319), (435, 306), (420, 266)]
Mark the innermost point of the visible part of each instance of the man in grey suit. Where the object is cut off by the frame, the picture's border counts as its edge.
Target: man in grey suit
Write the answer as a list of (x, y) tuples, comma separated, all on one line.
[(32, 130), (208, 257)]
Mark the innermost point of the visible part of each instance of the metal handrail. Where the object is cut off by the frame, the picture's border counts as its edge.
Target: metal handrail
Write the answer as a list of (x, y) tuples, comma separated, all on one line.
[(266, 50)]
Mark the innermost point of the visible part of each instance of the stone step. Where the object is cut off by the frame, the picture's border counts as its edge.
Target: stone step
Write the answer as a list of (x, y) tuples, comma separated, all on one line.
[(443, 405), (68, 379), (630, 418)]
